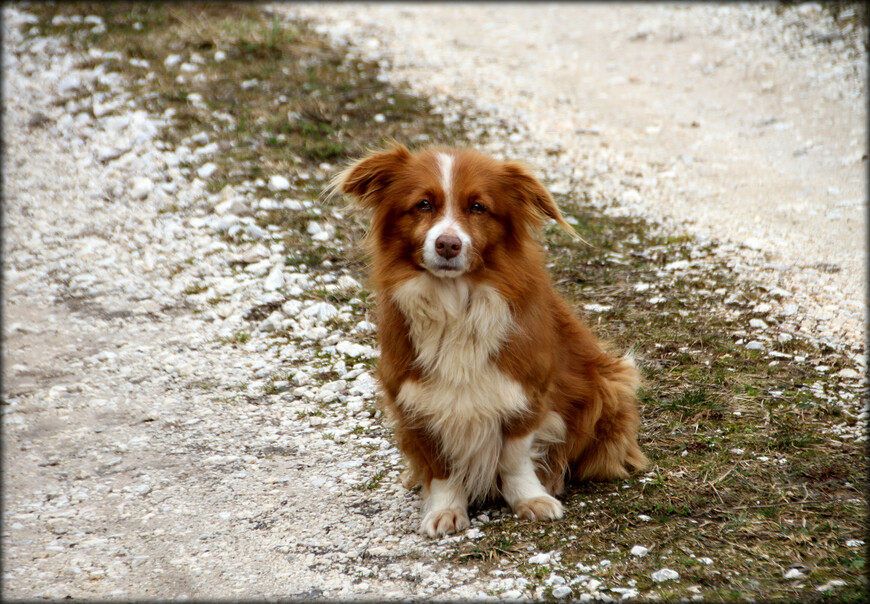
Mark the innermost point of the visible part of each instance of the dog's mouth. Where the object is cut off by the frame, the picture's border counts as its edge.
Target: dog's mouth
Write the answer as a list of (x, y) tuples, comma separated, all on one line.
[(446, 268)]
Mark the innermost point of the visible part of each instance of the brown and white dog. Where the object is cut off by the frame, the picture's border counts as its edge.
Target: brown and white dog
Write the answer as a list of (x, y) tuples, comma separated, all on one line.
[(494, 385)]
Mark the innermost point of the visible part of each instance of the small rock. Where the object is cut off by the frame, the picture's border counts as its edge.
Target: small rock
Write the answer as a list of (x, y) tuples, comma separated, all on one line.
[(365, 327), (314, 228), (321, 311), (643, 518), (561, 591), (274, 280), (142, 489), (336, 386), (664, 574), (639, 551), (789, 309), (291, 308), (141, 187), (206, 170), (758, 324), (754, 345), (593, 585), (255, 232), (540, 559), (172, 61), (793, 573), (278, 183), (830, 585), (255, 254), (345, 282), (849, 374)]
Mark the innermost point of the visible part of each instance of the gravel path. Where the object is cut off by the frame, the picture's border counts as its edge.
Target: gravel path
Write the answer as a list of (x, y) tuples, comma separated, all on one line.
[(144, 456), (726, 121)]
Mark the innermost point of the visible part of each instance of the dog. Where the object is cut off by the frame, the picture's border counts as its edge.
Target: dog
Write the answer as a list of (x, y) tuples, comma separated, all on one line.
[(494, 386)]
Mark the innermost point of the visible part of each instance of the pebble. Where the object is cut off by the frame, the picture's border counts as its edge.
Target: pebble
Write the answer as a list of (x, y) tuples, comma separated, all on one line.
[(664, 574), (562, 591), (141, 187), (206, 170), (278, 183), (639, 551), (321, 311), (275, 279)]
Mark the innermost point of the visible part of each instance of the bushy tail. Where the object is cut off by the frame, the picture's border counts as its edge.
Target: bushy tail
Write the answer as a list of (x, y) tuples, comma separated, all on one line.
[(611, 452)]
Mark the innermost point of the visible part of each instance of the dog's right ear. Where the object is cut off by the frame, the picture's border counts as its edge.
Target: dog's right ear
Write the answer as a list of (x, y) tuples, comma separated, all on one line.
[(366, 177)]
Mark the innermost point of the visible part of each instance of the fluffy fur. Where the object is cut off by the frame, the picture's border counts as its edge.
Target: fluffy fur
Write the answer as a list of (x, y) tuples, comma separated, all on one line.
[(494, 385)]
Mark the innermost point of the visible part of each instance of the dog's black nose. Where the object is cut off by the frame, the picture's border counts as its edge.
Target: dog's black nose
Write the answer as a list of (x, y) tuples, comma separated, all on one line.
[(448, 246)]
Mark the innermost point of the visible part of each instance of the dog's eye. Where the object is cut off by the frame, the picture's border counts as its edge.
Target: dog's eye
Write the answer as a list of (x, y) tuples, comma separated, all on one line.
[(424, 206), (477, 208)]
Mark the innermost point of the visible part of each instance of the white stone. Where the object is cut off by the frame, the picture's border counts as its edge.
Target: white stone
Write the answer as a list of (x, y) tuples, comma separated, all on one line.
[(793, 573), (849, 374), (664, 574), (757, 323), (561, 591), (206, 170), (639, 551), (171, 61), (314, 228), (336, 386), (274, 280), (346, 282), (321, 311), (830, 585), (754, 345), (278, 183), (540, 559), (141, 187)]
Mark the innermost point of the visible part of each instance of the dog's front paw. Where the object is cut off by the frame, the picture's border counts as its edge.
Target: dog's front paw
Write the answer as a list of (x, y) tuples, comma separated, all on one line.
[(539, 508), (438, 523)]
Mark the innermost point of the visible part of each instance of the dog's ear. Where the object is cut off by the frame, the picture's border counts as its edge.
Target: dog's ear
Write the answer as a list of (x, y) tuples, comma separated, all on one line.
[(366, 177), (529, 191)]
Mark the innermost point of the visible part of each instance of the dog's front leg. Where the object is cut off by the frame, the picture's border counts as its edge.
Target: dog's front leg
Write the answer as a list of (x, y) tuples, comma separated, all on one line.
[(445, 508), (520, 485)]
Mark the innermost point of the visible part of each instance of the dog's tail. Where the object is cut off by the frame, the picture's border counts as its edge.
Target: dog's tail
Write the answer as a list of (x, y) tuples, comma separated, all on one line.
[(611, 451)]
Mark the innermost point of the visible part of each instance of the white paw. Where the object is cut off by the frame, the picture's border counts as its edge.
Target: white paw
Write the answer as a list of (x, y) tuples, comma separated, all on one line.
[(438, 523), (539, 508)]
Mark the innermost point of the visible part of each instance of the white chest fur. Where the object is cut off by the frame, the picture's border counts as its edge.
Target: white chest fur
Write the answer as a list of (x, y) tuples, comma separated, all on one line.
[(457, 329)]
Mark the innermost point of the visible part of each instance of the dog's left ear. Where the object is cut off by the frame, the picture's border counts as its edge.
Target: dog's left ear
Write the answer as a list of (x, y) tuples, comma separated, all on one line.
[(534, 196), (365, 178)]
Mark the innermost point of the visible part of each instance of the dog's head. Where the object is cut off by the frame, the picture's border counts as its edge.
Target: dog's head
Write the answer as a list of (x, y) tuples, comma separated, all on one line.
[(450, 212)]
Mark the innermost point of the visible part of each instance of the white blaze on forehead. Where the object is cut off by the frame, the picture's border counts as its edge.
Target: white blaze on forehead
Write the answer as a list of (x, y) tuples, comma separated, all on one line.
[(445, 165)]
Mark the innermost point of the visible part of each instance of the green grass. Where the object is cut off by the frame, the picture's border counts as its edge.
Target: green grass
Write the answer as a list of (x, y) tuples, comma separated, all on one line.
[(709, 412)]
